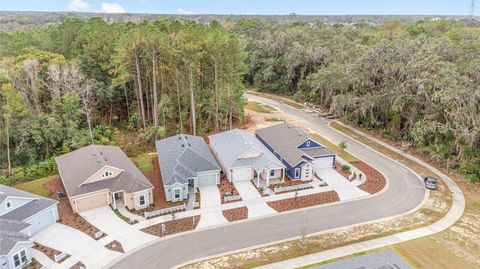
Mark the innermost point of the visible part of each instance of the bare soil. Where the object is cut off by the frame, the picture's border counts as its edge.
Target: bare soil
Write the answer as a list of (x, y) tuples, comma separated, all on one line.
[(236, 214), (65, 211), (227, 186), (78, 265), (173, 226)]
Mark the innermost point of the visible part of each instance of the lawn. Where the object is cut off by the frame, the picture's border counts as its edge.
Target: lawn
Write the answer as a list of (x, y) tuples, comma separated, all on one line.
[(342, 153), (144, 163), (260, 108), (36, 186)]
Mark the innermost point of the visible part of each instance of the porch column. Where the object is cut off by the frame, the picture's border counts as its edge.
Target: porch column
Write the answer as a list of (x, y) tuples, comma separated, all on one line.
[(114, 202), (283, 174), (268, 177), (258, 179)]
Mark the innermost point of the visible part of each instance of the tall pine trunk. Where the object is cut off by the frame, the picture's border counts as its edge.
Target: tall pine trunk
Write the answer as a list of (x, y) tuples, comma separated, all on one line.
[(192, 102), (216, 97), (140, 92), (8, 147), (154, 86), (178, 101)]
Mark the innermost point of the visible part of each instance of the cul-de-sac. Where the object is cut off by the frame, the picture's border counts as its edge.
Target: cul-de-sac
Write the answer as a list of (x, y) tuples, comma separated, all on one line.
[(151, 135)]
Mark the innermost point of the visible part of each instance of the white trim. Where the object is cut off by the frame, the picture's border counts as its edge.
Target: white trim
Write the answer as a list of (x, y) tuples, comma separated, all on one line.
[(19, 242), (20, 258), (42, 212), (18, 197), (299, 172), (179, 194), (96, 173)]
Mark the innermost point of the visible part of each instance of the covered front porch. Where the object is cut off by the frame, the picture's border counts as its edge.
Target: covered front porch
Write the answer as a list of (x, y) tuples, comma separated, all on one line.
[(268, 175)]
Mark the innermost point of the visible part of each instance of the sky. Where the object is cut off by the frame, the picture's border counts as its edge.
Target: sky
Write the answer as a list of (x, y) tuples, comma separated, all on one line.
[(265, 7)]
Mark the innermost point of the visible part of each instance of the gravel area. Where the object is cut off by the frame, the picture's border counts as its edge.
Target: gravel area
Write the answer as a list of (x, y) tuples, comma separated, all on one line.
[(375, 180), (173, 226), (235, 214), (305, 201)]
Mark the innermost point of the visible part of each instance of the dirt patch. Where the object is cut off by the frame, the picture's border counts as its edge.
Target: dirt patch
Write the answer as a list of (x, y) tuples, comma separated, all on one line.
[(235, 214), (173, 226), (375, 180), (304, 201), (159, 201), (67, 217), (78, 265), (227, 187), (115, 246)]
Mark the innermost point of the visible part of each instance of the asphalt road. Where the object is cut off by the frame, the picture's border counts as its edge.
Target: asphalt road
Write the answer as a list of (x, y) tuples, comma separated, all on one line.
[(404, 193)]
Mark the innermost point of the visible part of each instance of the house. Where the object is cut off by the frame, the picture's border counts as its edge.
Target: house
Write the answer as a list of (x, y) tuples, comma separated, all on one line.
[(301, 154), (97, 175), (186, 163), (22, 215), (243, 157)]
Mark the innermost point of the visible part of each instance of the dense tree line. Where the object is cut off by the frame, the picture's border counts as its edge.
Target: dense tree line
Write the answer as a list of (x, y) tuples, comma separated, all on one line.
[(67, 85), (418, 82)]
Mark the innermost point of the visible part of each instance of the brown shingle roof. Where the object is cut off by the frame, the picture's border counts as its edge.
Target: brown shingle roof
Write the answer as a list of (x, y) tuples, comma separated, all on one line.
[(79, 165)]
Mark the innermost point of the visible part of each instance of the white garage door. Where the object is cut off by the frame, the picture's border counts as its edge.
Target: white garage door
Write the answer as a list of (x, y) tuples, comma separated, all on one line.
[(42, 221), (242, 174), (323, 162), (209, 179)]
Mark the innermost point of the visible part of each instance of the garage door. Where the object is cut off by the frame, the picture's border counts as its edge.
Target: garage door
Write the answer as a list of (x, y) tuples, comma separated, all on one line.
[(91, 202), (323, 162), (42, 221), (205, 180), (242, 174)]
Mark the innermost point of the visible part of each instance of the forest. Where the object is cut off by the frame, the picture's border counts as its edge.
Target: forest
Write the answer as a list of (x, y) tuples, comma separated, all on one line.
[(65, 85)]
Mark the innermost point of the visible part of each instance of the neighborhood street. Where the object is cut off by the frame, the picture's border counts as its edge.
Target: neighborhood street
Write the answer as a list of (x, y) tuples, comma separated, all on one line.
[(404, 192)]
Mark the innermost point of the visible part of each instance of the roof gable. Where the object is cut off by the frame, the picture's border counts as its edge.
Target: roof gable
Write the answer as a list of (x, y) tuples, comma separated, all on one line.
[(101, 174)]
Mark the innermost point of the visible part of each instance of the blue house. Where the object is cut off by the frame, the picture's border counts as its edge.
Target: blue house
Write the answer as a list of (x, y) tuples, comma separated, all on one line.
[(301, 154)]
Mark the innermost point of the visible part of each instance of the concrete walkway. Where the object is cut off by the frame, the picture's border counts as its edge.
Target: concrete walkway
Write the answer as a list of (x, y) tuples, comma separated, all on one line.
[(43, 259), (255, 203), (453, 215), (116, 229), (345, 189), (210, 207), (81, 246)]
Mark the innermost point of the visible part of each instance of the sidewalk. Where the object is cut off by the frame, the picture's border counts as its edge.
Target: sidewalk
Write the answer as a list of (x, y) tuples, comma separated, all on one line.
[(453, 215)]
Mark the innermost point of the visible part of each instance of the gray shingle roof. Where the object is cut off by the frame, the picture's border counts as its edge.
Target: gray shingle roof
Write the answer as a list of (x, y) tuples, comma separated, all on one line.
[(285, 138), (232, 144), (183, 156), (9, 191), (9, 239), (77, 166), (29, 209)]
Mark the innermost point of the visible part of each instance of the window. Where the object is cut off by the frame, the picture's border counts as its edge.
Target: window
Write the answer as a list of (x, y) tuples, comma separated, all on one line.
[(297, 172), (176, 193), (142, 199), (272, 173), (308, 143), (8, 204), (107, 174), (20, 258)]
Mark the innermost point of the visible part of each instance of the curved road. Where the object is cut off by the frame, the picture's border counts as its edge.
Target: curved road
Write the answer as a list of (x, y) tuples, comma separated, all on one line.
[(404, 193)]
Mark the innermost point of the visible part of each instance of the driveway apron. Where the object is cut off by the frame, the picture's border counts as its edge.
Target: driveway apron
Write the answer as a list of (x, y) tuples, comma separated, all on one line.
[(345, 189), (255, 203), (81, 246), (116, 229), (210, 207)]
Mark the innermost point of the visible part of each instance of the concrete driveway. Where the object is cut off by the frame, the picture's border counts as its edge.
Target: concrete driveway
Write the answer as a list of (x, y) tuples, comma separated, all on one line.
[(210, 207), (345, 189), (116, 229), (255, 203), (81, 246)]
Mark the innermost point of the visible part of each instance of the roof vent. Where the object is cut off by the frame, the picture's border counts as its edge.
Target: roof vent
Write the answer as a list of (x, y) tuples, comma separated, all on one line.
[(189, 145), (179, 137), (101, 153), (106, 159), (183, 145)]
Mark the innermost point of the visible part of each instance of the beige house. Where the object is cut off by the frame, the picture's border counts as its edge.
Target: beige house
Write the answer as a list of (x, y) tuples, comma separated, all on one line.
[(97, 175)]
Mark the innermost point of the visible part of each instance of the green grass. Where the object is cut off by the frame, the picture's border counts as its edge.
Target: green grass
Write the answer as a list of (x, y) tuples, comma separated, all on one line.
[(342, 153), (144, 162), (36, 186), (260, 108)]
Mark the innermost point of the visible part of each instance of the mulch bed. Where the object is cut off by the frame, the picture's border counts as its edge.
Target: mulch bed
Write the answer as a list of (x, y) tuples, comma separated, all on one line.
[(235, 214), (49, 252), (304, 201), (34, 265), (158, 192), (173, 226), (339, 169), (78, 265), (65, 211), (226, 186), (115, 246), (288, 182), (375, 180)]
